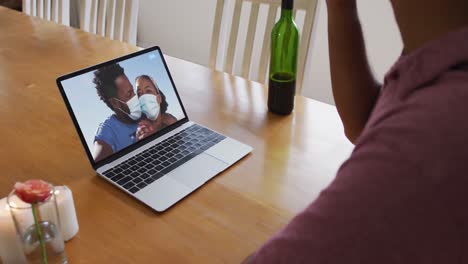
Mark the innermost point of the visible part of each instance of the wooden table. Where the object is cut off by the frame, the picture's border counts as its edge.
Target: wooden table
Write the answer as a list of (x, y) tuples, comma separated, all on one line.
[(294, 157)]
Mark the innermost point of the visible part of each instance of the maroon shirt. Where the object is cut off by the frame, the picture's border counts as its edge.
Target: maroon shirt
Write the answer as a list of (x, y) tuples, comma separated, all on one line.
[(402, 197)]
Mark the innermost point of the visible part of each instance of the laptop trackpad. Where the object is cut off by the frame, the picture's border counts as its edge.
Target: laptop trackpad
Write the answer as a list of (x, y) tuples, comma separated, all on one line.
[(163, 193), (197, 171)]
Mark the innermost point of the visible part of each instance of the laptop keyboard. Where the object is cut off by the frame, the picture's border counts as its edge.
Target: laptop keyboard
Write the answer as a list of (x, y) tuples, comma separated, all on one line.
[(141, 170)]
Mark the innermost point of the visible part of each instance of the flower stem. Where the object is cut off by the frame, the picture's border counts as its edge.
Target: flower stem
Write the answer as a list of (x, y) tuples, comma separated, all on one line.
[(39, 233)]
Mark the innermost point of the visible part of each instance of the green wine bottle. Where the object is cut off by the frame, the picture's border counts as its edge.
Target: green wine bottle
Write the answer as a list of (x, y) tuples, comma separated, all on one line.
[(283, 62)]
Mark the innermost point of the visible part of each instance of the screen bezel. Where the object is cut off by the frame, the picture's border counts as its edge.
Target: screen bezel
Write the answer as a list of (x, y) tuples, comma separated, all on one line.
[(138, 144)]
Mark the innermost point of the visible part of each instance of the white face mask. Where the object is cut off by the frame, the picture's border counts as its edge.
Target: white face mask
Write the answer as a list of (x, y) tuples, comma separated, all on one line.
[(150, 106), (134, 107)]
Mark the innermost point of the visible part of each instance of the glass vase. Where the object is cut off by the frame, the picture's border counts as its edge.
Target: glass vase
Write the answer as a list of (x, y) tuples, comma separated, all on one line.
[(38, 227)]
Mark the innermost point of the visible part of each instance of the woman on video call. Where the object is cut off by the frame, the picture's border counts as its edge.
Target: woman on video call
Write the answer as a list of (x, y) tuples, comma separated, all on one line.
[(153, 105)]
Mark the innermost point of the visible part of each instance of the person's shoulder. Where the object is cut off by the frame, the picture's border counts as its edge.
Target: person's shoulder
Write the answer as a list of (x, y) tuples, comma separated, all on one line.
[(111, 121), (429, 103), (169, 119), (443, 99), (451, 83), (107, 124), (420, 123)]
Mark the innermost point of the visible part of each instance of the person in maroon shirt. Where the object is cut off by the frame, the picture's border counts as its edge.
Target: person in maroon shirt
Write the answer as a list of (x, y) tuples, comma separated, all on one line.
[(402, 196)]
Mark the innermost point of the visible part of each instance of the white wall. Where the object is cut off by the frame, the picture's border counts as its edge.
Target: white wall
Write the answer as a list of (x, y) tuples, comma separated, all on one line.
[(183, 29)]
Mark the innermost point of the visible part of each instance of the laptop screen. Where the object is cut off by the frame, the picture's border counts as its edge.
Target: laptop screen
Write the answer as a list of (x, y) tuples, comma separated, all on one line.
[(117, 104)]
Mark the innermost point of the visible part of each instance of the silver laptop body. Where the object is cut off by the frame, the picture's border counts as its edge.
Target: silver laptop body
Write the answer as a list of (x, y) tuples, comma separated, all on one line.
[(166, 166)]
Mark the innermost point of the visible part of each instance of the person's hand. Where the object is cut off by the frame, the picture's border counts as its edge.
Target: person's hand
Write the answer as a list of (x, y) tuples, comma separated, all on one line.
[(145, 128)]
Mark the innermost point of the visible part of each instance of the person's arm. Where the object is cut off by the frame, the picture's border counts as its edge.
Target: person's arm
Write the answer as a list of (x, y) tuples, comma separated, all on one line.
[(101, 150), (354, 88)]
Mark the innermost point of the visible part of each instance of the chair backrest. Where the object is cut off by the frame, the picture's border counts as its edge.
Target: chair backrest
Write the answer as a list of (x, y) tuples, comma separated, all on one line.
[(52, 10), (115, 19), (307, 6)]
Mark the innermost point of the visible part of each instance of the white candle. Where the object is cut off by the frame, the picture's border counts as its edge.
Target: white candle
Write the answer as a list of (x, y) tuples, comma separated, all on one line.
[(11, 250), (67, 212)]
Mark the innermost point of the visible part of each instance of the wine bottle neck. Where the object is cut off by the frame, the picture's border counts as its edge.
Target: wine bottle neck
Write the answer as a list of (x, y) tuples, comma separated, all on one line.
[(286, 13), (287, 4), (287, 9)]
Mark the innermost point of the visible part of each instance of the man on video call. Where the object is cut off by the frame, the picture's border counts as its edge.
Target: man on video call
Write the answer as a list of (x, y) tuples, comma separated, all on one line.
[(118, 130), (402, 195)]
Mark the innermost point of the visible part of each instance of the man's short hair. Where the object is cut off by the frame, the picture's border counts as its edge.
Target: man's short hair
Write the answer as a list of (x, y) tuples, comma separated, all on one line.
[(104, 79)]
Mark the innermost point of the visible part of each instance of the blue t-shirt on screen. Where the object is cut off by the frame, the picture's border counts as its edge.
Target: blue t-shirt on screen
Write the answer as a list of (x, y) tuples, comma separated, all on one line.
[(116, 134)]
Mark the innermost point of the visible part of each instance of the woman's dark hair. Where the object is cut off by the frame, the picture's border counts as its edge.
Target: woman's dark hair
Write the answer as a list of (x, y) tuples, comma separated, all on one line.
[(104, 79), (164, 103)]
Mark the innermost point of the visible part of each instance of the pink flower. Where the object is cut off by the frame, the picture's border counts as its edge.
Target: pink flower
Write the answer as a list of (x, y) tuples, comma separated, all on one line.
[(33, 191)]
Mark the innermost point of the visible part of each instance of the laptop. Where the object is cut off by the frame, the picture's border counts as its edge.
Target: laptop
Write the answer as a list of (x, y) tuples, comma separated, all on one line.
[(136, 132)]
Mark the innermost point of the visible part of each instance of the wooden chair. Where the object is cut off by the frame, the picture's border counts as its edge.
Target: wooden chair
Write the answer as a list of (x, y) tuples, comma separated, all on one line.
[(115, 19), (308, 6), (52, 10)]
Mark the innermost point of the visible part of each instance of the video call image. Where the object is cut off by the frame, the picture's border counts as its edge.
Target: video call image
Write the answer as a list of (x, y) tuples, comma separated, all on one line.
[(120, 104)]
